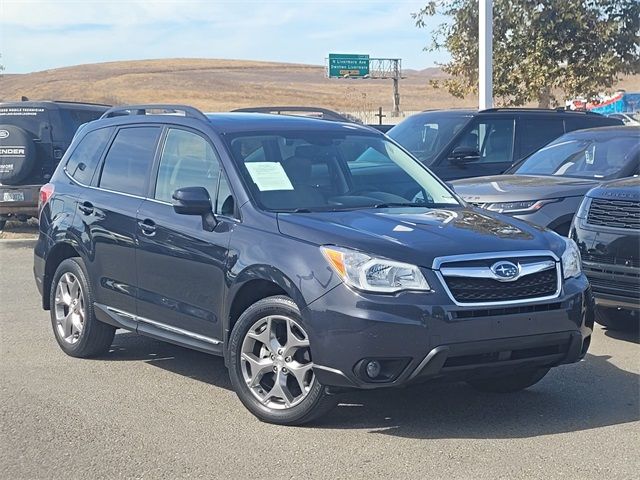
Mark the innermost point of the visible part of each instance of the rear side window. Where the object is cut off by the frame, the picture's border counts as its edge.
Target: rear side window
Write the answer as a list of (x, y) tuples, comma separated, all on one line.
[(580, 122), (84, 159), (537, 132), (126, 167)]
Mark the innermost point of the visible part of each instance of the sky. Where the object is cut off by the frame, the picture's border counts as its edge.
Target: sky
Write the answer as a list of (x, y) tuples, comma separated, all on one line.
[(43, 34)]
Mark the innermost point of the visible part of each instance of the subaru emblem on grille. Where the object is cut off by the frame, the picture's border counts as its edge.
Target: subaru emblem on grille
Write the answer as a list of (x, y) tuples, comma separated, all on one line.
[(505, 271)]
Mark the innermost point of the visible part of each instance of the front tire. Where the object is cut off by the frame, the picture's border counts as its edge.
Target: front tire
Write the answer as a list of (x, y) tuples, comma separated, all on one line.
[(270, 365), (75, 327), (614, 319), (510, 383)]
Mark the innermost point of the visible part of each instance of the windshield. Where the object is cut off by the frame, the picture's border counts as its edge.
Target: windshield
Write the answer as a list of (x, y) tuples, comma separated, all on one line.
[(328, 171), (582, 158), (426, 134)]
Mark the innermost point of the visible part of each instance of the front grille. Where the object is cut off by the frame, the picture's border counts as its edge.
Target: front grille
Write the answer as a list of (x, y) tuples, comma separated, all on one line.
[(611, 260), (614, 213), (622, 284), (467, 289), (501, 311)]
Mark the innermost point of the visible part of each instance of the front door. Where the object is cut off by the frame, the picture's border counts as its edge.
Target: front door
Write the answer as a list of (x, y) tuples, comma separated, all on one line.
[(181, 266), (493, 140)]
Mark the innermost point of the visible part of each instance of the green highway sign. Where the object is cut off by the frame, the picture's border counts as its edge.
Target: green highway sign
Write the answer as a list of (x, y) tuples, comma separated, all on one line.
[(348, 65)]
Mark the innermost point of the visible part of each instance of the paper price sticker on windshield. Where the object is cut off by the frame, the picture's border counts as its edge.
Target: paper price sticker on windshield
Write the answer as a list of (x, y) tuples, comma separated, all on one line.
[(269, 176)]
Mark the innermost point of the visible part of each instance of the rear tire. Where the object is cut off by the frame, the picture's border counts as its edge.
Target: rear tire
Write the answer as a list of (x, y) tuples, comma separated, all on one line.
[(75, 326), (614, 319), (270, 365), (513, 382), (2, 224)]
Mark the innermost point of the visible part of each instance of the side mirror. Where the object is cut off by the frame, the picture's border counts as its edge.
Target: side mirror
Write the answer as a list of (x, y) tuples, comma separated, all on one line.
[(464, 155), (195, 201)]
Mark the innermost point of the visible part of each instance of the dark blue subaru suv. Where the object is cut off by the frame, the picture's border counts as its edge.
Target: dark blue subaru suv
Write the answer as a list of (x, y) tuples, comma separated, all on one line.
[(294, 248)]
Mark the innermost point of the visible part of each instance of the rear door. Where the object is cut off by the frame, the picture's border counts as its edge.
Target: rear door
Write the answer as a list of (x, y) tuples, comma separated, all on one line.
[(107, 218), (493, 139), (181, 266)]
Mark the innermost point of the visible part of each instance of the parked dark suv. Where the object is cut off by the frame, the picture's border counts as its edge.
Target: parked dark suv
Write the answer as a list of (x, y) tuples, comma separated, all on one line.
[(469, 143), (280, 243), (33, 138), (607, 231)]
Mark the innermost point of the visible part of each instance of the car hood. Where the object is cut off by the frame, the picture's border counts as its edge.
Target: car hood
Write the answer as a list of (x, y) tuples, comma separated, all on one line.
[(418, 235), (510, 188)]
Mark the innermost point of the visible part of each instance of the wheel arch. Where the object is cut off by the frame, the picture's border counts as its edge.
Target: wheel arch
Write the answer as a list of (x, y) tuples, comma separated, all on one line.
[(561, 225), (255, 284), (58, 253)]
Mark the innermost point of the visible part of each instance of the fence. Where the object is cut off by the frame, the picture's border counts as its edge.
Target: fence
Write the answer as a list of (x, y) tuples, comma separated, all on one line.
[(371, 116)]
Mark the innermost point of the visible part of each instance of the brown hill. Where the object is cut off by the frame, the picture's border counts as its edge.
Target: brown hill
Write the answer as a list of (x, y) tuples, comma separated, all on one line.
[(219, 85)]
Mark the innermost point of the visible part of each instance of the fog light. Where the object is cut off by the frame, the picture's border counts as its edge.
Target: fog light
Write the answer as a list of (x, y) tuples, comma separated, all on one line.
[(373, 369)]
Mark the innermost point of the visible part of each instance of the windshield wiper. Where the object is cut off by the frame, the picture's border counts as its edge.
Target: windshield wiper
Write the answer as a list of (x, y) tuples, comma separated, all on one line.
[(399, 204)]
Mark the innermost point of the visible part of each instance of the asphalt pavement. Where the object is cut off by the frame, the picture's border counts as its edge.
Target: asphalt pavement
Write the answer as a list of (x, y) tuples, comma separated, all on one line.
[(153, 410)]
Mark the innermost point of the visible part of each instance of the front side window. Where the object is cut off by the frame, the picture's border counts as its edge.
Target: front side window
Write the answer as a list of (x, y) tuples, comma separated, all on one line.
[(583, 158), (84, 159), (491, 139), (426, 134), (188, 160), (328, 171), (126, 167)]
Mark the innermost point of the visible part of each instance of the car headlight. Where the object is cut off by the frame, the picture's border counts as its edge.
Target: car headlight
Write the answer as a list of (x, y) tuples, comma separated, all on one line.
[(372, 274), (571, 261), (519, 207)]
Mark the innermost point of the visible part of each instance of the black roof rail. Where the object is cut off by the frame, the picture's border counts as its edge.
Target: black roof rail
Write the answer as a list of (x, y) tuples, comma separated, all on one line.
[(325, 113), (144, 109), (533, 109)]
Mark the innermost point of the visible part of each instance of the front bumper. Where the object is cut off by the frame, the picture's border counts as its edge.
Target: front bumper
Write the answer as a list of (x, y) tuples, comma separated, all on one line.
[(428, 337), (26, 204), (610, 262)]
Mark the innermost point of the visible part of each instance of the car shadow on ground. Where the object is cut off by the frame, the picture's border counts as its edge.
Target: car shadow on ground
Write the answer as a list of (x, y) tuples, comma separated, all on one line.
[(631, 336), (591, 394)]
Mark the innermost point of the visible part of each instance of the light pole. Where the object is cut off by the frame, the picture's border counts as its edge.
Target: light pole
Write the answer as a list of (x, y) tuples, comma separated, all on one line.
[(485, 57)]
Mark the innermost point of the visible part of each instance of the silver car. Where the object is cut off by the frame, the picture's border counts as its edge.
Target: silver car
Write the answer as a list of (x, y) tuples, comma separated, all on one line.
[(547, 187)]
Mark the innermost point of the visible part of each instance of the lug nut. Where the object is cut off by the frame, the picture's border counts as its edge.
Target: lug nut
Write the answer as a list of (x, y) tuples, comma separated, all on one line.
[(280, 351), (288, 359), (284, 370), (275, 369), (273, 357)]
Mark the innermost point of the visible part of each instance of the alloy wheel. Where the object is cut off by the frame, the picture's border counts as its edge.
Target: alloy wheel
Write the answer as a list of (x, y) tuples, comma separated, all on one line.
[(70, 312), (276, 362)]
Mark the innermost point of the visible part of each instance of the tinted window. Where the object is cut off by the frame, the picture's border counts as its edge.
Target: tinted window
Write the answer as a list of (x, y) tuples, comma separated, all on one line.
[(31, 119), (188, 160), (580, 122), (72, 119), (127, 164), (334, 171), (84, 159), (492, 139), (537, 132)]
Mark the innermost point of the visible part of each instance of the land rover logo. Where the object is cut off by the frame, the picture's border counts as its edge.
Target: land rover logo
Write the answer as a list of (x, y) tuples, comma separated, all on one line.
[(505, 271), (4, 134)]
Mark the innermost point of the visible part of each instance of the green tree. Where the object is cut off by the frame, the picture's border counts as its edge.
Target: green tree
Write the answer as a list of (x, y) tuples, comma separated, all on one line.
[(540, 47)]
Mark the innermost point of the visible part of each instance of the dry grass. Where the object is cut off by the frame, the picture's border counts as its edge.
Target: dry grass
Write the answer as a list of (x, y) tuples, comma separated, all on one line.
[(220, 85)]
